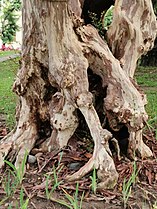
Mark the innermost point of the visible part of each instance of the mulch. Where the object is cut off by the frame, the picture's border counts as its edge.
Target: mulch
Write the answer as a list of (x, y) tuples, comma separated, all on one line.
[(143, 192)]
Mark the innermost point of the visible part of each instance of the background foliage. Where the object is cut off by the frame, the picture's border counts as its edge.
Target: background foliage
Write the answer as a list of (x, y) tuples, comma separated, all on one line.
[(9, 17)]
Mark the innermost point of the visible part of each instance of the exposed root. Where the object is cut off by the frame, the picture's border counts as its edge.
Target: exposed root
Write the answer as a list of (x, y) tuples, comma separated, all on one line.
[(89, 166), (117, 148), (24, 144), (123, 103), (21, 140), (101, 159), (4, 150), (64, 122), (137, 146), (103, 162)]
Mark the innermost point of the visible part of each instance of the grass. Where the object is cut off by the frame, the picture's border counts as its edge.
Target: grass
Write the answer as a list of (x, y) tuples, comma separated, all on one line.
[(127, 185), (55, 182), (8, 99), (94, 181), (72, 201), (151, 108), (19, 172), (14, 181), (8, 53), (147, 79)]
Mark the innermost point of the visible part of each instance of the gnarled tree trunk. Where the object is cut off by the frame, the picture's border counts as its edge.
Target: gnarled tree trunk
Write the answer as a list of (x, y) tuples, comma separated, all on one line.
[(53, 81)]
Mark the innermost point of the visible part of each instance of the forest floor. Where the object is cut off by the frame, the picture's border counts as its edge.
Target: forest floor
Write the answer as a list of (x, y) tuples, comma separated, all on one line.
[(42, 186)]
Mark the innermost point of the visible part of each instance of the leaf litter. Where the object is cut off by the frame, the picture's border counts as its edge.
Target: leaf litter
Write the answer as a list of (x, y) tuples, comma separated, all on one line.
[(69, 160)]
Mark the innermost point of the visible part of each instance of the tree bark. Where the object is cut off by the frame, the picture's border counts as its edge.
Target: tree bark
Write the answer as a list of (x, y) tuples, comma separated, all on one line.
[(150, 58), (53, 82), (131, 33)]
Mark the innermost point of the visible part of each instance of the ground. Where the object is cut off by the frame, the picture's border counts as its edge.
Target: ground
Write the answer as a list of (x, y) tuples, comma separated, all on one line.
[(137, 184)]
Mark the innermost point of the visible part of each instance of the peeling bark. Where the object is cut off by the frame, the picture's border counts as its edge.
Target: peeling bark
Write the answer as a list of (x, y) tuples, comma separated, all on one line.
[(53, 82)]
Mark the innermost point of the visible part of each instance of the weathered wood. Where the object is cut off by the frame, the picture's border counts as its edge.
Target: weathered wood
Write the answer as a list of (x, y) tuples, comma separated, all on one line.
[(123, 103), (53, 84), (132, 33)]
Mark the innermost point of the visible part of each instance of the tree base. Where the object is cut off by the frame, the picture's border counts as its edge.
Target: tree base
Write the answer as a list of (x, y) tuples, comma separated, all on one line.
[(53, 84)]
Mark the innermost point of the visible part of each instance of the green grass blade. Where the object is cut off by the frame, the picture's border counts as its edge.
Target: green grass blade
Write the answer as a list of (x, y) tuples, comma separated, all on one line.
[(21, 196), (11, 165), (55, 187), (77, 189), (55, 175), (70, 198), (21, 169), (3, 200), (62, 202), (47, 187), (25, 205), (94, 181), (10, 206), (24, 162), (59, 170), (60, 159), (81, 201)]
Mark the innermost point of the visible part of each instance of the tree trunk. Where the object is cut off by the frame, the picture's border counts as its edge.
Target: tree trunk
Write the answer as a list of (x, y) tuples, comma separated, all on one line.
[(60, 59), (150, 58)]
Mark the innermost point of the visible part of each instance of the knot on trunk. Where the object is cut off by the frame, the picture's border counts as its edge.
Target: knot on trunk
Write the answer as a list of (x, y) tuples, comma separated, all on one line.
[(84, 99)]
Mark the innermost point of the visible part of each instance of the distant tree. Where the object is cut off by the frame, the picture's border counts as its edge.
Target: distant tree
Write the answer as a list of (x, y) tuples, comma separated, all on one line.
[(9, 19)]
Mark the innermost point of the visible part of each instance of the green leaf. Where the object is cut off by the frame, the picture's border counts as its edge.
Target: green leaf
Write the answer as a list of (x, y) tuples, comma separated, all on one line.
[(11, 165)]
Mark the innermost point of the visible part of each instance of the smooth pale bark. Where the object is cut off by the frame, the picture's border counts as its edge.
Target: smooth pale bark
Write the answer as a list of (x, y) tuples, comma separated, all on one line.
[(53, 84)]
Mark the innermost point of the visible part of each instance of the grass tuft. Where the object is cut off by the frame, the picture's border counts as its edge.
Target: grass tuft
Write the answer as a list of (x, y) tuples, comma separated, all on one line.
[(127, 185)]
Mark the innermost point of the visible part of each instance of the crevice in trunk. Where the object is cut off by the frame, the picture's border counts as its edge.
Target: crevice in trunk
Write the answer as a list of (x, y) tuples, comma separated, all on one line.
[(96, 7), (44, 130), (99, 93), (122, 136), (82, 129)]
